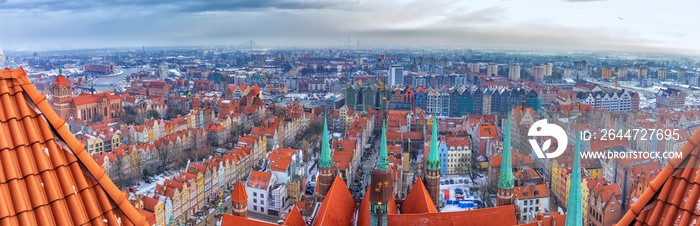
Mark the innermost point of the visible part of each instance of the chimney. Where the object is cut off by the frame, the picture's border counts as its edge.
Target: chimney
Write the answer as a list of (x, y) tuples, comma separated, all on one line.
[(554, 221)]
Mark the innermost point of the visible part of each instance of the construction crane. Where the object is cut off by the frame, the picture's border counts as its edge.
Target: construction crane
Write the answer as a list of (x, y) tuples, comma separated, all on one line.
[(347, 69), (384, 58), (616, 84), (272, 73)]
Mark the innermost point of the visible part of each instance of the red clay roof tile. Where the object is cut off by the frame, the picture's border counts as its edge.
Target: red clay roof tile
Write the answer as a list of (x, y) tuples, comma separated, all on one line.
[(418, 200), (230, 220), (672, 197), (338, 207), (49, 178), (239, 193), (502, 215)]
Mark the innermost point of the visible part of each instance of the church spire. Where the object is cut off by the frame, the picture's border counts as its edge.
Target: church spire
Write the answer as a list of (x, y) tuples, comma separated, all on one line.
[(60, 71), (325, 161), (505, 178), (573, 207), (433, 159), (383, 160)]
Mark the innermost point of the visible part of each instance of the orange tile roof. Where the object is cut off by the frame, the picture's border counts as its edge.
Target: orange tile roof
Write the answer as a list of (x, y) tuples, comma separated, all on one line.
[(238, 193), (528, 192), (418, 200), (502, 215), (150, 217), (559, 219), (60, 80), (47, 177), (230, 220), (259, 180), (294, 218), (338, 207), (488, 131), (341, 159), (673, 196), (90, 98), (150, 203)]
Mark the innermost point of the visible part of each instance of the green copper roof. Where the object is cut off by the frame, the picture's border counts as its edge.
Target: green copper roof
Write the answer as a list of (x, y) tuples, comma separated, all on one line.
[(383, 161), (433, 159), (573, 206), (325, 161), (505, 178)]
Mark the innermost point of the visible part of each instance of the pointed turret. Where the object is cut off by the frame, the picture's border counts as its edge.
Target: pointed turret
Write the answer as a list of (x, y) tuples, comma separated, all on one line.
[(61, 91), (433, 159), (573, 207), (432, 169), (325, 163), (383, 160), (505, 177), (239, 200)]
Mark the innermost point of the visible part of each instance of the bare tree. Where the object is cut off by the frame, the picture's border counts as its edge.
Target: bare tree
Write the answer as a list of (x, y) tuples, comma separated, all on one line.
[(136, 162), (305, 148), (164, 157)]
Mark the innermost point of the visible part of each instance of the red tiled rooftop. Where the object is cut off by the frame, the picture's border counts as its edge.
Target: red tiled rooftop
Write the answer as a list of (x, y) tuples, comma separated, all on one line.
[(673, 196), (294, 218), (532, 191), (230, 220), (558, 219), (502, 215), (60, 80), (341, 210), (418, 200), (42, 182), (239, 194), (259, 179)]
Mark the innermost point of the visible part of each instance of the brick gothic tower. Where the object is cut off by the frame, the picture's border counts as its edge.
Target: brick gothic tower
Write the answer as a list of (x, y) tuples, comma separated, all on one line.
[(61, 92), (239, 201), (325, 164), (432, 172), (382, 188), (505, 177)]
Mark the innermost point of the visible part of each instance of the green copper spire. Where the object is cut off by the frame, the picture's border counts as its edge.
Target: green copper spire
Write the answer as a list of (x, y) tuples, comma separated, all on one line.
[(325, 161), (60, 71), (505, 178), (573, 206), (433, 159), (383, 161)]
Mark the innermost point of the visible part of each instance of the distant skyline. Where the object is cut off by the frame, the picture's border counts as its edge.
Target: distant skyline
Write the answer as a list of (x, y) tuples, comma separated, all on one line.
[(622, 25)]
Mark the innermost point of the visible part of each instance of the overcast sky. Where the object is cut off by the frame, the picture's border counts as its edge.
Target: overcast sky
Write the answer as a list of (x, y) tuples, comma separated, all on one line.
[(656, 26)]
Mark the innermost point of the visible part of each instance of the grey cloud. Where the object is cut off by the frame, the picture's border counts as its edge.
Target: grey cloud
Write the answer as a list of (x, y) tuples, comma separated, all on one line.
[(522, 36), (179, 5)]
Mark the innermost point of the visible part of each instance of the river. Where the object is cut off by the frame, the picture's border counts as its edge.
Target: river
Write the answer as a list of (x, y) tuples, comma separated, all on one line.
[(110, 83)]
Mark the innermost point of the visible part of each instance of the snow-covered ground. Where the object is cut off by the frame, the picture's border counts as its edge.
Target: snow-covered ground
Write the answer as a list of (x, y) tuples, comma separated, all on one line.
[(144, 187), (466, 187)]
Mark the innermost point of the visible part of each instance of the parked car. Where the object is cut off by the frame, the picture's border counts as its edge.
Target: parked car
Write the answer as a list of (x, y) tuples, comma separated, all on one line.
[(442, 182), (452, 181), (461, 181), (132, 190)]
